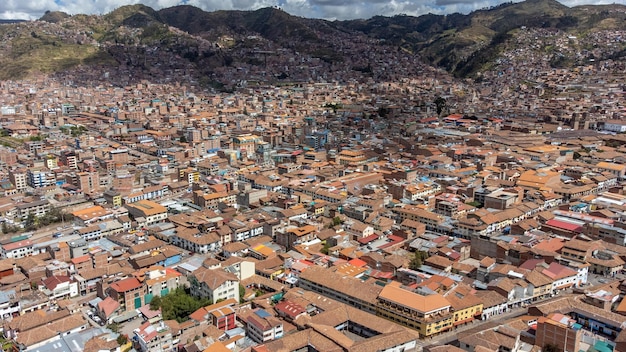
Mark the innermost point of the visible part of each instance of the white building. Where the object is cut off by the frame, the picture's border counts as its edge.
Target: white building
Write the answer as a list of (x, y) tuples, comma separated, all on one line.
[(19, 249), (263, 327)]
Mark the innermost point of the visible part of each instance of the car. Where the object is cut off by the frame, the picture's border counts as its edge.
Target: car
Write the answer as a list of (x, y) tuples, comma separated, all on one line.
[(57, 235), (89, 313)]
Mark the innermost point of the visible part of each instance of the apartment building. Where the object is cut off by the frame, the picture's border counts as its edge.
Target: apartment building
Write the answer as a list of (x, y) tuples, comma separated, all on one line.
[(215, 284), (345, 289), (430, 314), (147, 212)]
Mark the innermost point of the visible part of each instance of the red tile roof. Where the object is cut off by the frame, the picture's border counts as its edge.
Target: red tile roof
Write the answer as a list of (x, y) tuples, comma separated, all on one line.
[(357, 262), (288, 308), (126, 285)]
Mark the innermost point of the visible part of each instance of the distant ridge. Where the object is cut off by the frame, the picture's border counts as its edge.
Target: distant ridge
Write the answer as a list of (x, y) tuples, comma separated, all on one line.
[(464, 45)]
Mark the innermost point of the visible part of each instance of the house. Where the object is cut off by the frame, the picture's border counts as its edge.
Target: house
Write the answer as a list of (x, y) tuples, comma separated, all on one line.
[(193, 240), (19, 249), (159, 281), (129, 293), (222, 315), (262, 326), (214, 284), (147, 212), (151, 337), (56, 287), (296, 235), (465, 304), (9, 303), (289, 311), (107, 308)]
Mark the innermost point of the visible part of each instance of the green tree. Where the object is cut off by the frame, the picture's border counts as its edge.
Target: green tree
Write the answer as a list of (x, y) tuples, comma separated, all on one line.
[(242, 292), (115, 327), (30, 222), (417, 260), (155, 303), (122, 339), (326, 248), (178, 304), (182, 139)]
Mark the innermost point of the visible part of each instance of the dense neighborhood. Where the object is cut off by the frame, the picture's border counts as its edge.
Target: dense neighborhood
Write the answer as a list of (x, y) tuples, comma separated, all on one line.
[(414, 212)]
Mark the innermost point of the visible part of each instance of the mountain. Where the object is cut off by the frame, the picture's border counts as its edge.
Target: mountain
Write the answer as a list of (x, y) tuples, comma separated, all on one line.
[(464, 44), (187, 38)]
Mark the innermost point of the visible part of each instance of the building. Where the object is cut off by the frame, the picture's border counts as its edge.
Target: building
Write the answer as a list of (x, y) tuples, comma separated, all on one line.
[(263, 327), (40, 178), (147, 212), (430, 314), (18, 249), (193, 240), (113, 197), (19, 179), (129, 293), (58, 287), (160, 281), (36, 208), (345, 289), (215, 284), (222, 315), (559, 330), (246, 144), (88, 181), (154, 338)]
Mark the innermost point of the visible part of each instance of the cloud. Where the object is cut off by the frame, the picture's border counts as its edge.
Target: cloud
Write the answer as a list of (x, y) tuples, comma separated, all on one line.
[(329, 9)]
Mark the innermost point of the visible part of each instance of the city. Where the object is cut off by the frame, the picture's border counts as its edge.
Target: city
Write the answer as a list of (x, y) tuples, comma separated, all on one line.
[(390, 208)]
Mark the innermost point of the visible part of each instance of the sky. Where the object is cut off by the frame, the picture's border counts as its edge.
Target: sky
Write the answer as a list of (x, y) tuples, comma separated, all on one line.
[(327, 9)]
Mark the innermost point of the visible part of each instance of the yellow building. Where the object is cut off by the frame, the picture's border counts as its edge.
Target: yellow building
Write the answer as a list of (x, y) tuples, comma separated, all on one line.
[(190, 175), (246, 143), (347, 157), (428, 313), (147, 211), (52, 162), (466, 306)]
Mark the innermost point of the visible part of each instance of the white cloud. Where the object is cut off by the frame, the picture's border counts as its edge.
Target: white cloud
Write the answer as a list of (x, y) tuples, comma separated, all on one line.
[(329, 9)]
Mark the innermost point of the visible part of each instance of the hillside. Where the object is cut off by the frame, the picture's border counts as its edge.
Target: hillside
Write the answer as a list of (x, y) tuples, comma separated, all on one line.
[(186, 37)]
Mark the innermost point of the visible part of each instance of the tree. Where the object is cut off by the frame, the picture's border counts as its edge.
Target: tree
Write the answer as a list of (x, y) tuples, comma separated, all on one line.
[(326, 248), (242, 292), (441, 105), (30, 222), (115, 327), (183, 139), (178, 304), (122, 339), (417, 260), (155, 304)]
